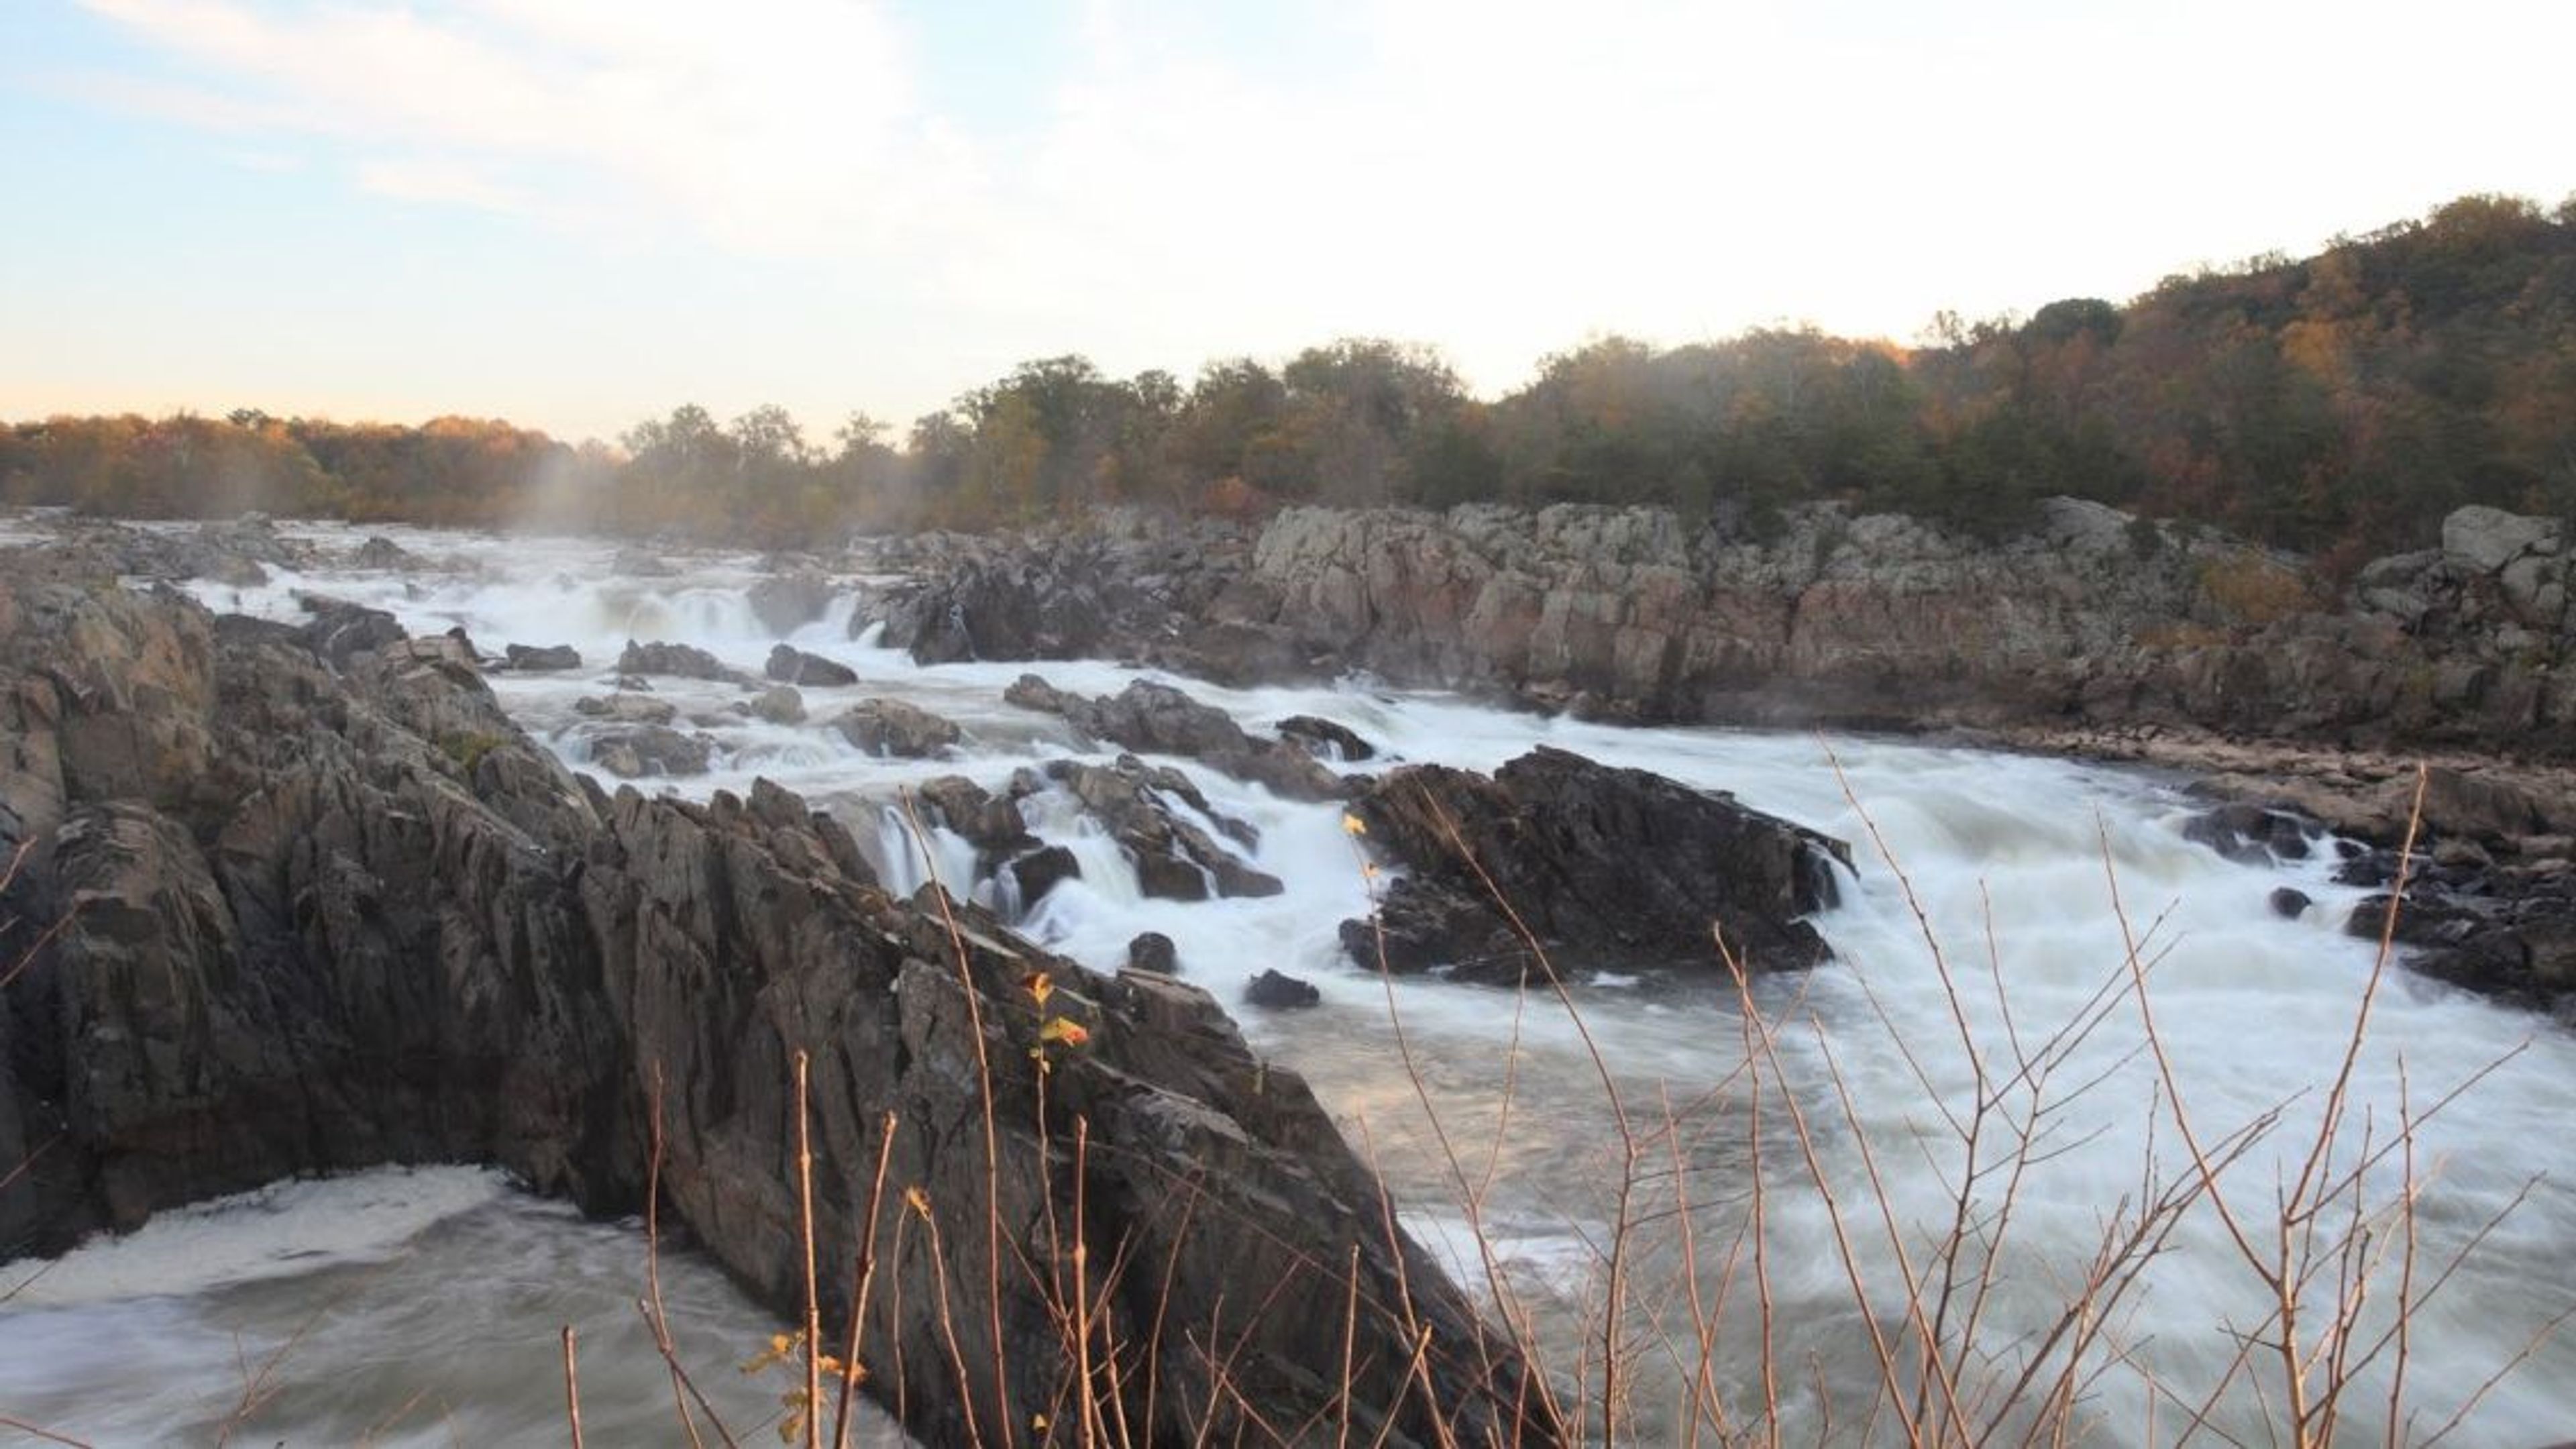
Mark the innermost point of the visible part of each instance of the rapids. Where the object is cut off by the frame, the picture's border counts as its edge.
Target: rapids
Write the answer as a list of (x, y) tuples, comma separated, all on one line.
[(2055, 898)]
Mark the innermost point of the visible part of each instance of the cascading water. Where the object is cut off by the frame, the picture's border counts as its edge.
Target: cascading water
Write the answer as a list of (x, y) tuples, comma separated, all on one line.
[(2121, 999)]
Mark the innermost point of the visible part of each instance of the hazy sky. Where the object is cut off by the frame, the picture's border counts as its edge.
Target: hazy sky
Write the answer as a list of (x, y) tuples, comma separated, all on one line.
[(578, 213)]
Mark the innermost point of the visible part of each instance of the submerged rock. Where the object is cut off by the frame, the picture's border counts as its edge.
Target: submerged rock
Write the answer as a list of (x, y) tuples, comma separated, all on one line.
[(1605, 867)]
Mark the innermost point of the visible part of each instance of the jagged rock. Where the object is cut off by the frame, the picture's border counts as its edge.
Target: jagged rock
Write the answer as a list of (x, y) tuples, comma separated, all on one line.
[(340, 630), (1163, 720), (627, 709), (684, 661), (892, 727), (1040, 870), (527, 658), (1325, 739), (651, 749), (1606, 867), (1174, 859), (992, 825), (1153, 951), (311, 938), (785, 603), (1273, 991), (779, 704), (795, 666)]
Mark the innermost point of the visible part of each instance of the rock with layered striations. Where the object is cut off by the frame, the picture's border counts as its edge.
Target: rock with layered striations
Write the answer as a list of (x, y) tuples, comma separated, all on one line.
[(1606, 867), (1159, 719), (323, 915)]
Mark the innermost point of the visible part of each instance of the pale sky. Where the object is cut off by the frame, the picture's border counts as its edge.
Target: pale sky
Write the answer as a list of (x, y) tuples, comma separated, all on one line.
[(579, 213)]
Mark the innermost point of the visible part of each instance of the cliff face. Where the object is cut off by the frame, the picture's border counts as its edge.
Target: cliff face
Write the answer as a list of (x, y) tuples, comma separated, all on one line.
[(322, 906), (2086, 618)]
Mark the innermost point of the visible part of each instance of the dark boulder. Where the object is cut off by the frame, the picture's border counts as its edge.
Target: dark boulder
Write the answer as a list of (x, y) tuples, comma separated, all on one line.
[(525, 657), (1325, 739), (2290, 903), (1273, 991), (1153, 951), (791, 665), (1605, 867), (1039, 871)]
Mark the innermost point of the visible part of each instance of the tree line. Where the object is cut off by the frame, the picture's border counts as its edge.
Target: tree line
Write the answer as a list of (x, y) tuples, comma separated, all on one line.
[(2339, 404)]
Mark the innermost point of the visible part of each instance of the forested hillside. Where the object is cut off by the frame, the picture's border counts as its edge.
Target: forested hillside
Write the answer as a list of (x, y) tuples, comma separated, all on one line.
[(2339, 404)]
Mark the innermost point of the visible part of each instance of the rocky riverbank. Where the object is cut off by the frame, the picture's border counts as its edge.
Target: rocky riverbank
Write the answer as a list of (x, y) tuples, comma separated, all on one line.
[(2088, 632), (2087, 618), (321, 905)]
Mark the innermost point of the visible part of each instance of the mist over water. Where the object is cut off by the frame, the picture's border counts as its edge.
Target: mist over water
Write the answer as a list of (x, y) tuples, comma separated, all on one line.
[(2013, 861)]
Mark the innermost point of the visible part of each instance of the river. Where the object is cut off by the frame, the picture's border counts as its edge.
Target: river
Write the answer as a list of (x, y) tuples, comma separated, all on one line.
[(2077, 969)]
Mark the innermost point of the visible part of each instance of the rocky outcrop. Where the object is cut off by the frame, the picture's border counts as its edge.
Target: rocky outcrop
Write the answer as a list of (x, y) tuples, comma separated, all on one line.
[(1158, 719), (1606, 868), (320, 913), (1127, 585), (2086, 618)]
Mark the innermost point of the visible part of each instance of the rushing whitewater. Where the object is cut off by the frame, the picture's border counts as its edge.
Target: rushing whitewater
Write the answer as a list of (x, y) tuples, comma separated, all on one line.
[(2062, 914)]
